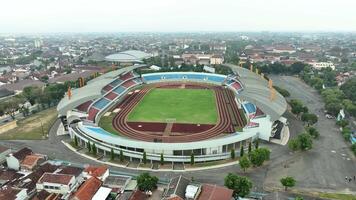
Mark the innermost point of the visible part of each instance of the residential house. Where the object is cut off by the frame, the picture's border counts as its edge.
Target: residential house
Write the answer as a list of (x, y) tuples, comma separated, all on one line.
[(10, 193), (4, 151), (101, 172), (14, 160), (216, 60), (31, 161), (215, 192), (87, 190), (56, 183)]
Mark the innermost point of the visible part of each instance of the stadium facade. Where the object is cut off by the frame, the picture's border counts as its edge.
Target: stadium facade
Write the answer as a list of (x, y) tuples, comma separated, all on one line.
[(263, 108)]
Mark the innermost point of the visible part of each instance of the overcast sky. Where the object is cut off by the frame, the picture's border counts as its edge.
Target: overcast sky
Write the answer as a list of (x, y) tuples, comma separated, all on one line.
[(29, 16)]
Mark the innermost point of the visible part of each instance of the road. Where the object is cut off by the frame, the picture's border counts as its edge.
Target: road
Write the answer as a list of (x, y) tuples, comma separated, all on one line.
[(330, 161), (322, 168)]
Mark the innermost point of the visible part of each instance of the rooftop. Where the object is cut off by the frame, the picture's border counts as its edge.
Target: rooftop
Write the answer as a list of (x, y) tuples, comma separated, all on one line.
[(88, 189), (214, 192), (63, 179), (96, 171), (22, 153), (128, 56)]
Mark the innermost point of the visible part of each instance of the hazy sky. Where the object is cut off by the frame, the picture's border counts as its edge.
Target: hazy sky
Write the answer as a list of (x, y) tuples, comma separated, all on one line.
[(176, 15)]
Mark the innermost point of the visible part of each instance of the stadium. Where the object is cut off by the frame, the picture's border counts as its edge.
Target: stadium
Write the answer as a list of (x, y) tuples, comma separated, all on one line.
[(174, 114)]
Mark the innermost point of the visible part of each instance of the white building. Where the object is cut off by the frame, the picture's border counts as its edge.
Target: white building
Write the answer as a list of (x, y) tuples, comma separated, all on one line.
[(216, 60), (14, 160), (322, 65), (56, 183), (3, 153)]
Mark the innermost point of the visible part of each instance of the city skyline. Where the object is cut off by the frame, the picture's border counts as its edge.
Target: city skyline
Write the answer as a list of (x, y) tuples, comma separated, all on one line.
[(177, 16)]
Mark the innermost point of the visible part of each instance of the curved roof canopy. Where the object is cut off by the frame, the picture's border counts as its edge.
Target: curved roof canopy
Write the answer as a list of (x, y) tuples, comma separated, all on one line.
[(91, 91), (256, 91), (128, 56)]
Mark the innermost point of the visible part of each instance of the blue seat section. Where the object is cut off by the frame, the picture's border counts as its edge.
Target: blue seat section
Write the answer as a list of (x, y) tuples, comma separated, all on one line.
[(249, 107), (116, 82), (178, 76), (152, 77), (230, 82), (101, 103), (216, 78), (98, 130), (195, 76), (119, 90)]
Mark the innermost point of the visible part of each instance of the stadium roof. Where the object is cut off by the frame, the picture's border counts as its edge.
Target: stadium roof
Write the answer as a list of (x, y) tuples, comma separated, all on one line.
[(128, 56), (90, 91), (257, 92)]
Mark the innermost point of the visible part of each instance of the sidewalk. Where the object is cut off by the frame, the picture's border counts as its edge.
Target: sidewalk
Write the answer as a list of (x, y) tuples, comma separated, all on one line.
[(148, 169)]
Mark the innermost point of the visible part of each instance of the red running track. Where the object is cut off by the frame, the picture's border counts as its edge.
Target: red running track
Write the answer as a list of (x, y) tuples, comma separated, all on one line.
[(224, 124)]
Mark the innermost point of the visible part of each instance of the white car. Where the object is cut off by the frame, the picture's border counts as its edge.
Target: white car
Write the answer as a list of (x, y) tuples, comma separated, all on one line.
[(329, 116)]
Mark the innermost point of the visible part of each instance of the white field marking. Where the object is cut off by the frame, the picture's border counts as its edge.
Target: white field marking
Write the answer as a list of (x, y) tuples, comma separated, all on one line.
[(107, 114), (117, 110)]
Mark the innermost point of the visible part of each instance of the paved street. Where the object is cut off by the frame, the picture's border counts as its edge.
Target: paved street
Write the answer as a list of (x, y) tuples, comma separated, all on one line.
[(330, 160), (324, 167)]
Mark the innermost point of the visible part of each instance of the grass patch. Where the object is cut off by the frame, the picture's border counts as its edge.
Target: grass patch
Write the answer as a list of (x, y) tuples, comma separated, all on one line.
[(147, 165), (106, 123), (30, 128), (338, 196), (184, 105)]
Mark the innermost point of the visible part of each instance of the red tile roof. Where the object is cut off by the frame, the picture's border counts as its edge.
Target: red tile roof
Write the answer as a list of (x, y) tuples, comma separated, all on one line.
[(96, 171), (88, 189), (214, 192), (63, 179), (31, 160), (22, 153), (138, 195)]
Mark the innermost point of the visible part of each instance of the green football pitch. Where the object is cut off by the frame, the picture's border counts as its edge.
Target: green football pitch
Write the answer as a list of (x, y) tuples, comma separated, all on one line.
[(197, 106)]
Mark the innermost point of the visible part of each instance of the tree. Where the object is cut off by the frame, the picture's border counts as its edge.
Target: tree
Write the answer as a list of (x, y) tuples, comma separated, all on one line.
[(297, 67), (297, 106), (257, 141), (353, 148), (258, 156), (75, 141), (112, 155), (94, 150), (162, 159), (244, 163), (298, 198), (249, 147), (282, 91), (232, 153), (349, 89), (144, 158), (31, 94), (192, 159), (242, 150), (24, 110), (89, 147), (239, 184), (313, 132), (12, 105), (305, 141), (309, 118), (146, 182), (342, 123), (346, 133), (288, 182), (122, 158), (293, 144)]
